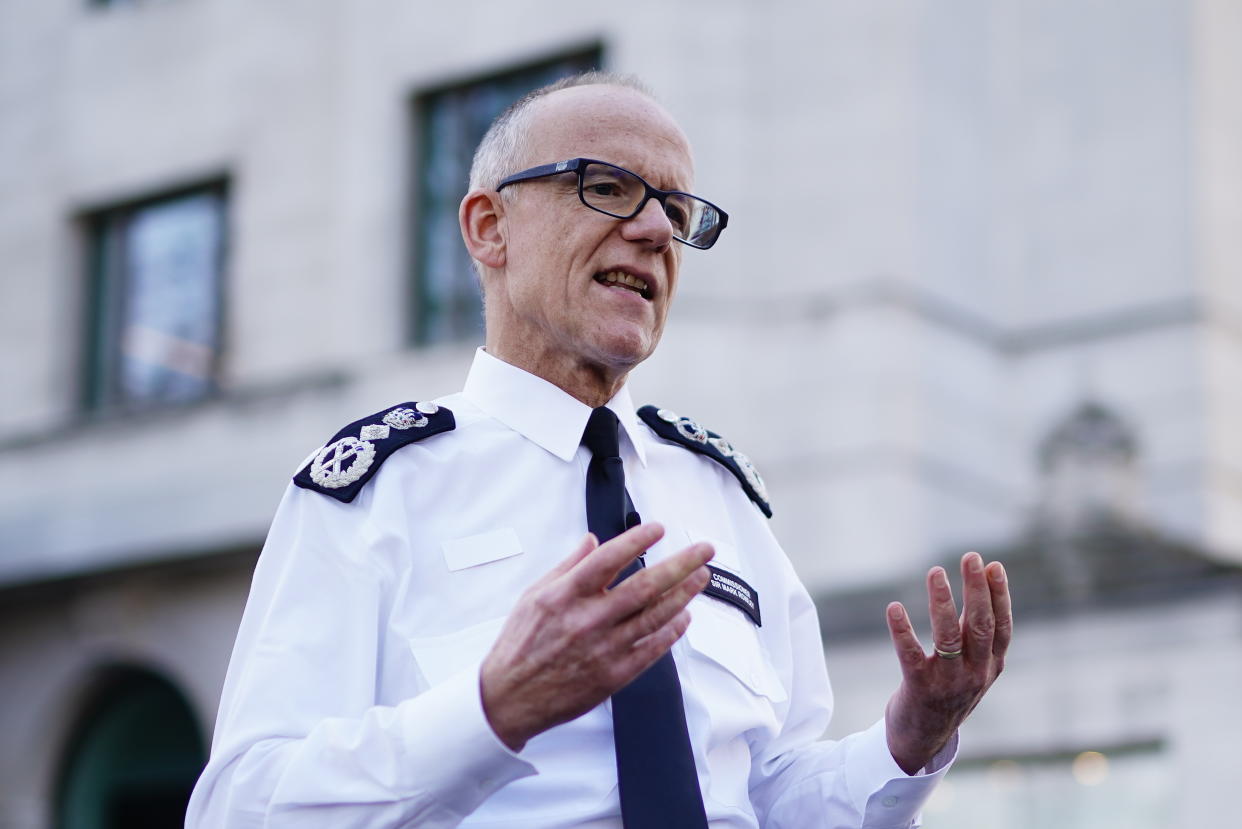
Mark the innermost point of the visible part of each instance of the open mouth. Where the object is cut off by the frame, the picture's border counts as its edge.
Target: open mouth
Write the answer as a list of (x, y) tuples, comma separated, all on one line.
[(621, 279)]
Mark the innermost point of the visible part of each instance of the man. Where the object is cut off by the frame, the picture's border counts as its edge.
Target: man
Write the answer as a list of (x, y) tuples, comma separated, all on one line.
[(416, 651)]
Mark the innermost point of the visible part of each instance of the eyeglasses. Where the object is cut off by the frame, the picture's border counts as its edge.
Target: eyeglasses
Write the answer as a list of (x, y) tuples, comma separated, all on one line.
[(615, 191)]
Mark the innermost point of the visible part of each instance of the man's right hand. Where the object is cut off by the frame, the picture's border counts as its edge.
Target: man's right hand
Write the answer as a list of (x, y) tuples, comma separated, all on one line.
[(570, 642)]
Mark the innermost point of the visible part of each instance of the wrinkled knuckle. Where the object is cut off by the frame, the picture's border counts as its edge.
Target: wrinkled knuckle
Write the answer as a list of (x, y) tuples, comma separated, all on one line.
[(983, 627), (658, 640), (642, 581), (645, 624), (545, 601), (531, 596)]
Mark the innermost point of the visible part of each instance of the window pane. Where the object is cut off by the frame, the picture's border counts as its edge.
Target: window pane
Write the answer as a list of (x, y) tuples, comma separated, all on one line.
[(156, 289), (169, 342), (447, 302)]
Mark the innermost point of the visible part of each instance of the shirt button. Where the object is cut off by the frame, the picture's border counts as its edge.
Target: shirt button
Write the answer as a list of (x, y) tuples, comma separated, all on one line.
[(890, 801)]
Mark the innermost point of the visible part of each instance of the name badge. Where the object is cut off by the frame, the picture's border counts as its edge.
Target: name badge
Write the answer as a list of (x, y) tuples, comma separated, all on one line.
[(731, 588)]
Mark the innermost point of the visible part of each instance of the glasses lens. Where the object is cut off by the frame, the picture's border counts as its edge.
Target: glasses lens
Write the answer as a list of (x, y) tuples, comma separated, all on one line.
[(620, 193), (681, 211), (612, 190), (694, 220)]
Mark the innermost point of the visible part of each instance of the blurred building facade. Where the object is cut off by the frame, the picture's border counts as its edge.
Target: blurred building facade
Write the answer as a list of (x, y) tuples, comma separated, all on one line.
[(981, 289)]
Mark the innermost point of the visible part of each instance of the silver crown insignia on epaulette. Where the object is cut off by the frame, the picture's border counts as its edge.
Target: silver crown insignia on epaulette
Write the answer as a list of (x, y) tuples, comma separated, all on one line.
[(687, 427), (692, 430), (330, 469), (344, 461), (411, 418)]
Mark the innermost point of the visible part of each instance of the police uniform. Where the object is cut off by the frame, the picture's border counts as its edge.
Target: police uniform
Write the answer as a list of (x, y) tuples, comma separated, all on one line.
[(352, 696)]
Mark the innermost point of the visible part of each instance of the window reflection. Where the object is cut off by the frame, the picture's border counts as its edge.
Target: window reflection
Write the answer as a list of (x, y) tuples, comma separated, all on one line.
[(169, 342), (158, 268)]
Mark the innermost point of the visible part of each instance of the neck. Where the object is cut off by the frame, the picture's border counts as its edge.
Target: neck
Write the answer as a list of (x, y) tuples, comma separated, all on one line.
[(587, 382)]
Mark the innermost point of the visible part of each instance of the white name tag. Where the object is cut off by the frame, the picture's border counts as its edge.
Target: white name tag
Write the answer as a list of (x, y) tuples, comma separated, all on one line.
[(460, 553)]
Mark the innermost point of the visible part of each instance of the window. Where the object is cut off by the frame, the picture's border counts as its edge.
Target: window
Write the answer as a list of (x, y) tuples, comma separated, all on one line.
[(134, 757), (156, 273), (450, 123)]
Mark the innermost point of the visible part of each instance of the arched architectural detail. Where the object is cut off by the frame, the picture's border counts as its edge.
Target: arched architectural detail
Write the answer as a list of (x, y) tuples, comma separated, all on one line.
[(132, 754), (1089, 463)]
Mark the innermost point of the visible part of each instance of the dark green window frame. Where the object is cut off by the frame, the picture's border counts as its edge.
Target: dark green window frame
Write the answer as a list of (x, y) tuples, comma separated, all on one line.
[(449, 121), (113, 379)]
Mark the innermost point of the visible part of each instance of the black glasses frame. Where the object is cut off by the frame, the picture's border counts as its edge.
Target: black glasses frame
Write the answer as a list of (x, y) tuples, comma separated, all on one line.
[(578, 165)]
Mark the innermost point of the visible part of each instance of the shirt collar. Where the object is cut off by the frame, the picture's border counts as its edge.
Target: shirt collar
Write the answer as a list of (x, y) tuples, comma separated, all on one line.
[(538, 410)]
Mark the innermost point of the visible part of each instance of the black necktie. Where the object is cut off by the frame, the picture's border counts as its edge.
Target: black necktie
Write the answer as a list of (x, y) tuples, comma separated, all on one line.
[(655, 765)]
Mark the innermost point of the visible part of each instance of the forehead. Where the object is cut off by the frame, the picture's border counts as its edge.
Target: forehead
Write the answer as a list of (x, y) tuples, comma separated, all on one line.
[(613, 124)]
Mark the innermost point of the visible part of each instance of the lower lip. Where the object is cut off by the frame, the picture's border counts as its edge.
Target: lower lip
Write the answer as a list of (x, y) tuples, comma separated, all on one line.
[(623, 291)]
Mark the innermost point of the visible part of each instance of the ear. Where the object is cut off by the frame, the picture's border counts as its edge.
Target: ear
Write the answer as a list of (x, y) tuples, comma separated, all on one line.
[(480, 216)]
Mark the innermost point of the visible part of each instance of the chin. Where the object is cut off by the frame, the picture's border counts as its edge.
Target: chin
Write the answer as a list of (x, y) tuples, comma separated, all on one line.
[(624, 351)]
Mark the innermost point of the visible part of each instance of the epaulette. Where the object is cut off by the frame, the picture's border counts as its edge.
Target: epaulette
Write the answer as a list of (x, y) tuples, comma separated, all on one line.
[(342, 468), (683, 430)]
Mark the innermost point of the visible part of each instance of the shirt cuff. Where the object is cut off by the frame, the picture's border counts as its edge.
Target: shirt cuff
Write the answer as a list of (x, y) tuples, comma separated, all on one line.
[(892, 798), (465, 762)]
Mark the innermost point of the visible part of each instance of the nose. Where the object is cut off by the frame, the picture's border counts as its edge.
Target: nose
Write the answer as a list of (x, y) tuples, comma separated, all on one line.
[(649, 226)]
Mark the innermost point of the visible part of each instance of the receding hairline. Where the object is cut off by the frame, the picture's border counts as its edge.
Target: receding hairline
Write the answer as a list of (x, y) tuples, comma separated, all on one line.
[(505, 142)]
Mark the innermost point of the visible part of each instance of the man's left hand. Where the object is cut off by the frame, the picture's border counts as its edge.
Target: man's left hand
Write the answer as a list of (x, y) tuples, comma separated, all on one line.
[(937, 692)]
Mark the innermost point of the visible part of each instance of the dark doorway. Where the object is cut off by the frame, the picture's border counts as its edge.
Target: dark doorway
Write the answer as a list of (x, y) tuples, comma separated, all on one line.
[(133, 759)]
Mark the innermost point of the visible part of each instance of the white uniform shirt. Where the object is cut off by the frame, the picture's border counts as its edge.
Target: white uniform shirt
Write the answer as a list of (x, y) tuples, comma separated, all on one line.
[(352, 697)]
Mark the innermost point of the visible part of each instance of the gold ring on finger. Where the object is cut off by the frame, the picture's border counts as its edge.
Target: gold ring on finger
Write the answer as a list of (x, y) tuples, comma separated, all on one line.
[(943, 654)]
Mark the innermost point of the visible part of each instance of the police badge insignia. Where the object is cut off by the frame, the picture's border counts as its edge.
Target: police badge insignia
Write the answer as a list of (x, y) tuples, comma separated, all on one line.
[(346, 463), (687, 432)]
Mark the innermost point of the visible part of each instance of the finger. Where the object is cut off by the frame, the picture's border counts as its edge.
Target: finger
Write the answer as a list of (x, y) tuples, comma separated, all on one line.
[(1002, 608), (641, 589), (600, 569), (584, 548), (659, 612), (909, 652), (978, 622), (946, 630), (647, 650)]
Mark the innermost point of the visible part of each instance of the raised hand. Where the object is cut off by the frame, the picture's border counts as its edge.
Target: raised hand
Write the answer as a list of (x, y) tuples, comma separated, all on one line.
[(570, 642), (939, 690)]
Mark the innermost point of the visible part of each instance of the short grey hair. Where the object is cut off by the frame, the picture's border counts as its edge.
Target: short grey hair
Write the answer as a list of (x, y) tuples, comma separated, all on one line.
[(504, 144)]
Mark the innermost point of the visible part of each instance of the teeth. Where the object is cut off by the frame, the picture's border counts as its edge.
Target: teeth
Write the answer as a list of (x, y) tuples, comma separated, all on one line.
[(624, 279)]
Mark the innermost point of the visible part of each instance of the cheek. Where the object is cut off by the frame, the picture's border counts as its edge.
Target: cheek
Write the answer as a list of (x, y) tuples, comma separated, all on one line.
[(532, 265), (672, 267)]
